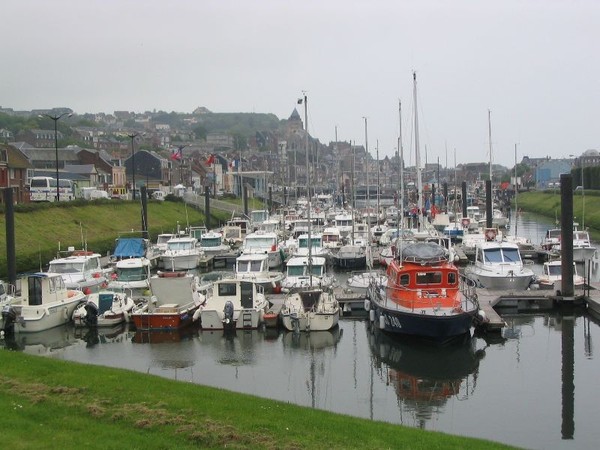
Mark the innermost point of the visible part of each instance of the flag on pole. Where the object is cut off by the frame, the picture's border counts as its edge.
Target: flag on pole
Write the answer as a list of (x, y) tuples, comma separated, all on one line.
[(177, 154), (210, 160)]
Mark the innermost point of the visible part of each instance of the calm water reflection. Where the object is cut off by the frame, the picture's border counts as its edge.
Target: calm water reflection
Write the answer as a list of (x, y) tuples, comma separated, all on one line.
[(532, 386)]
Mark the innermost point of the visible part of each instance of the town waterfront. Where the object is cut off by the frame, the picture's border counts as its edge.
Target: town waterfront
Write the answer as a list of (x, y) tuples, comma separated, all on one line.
[(532, 386)]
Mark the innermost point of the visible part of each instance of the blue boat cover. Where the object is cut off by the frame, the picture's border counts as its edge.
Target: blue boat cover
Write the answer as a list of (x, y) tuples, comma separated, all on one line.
[(130, 248)]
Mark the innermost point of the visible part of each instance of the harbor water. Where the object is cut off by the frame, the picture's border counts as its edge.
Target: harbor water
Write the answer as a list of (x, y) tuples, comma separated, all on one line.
[(532, 385)]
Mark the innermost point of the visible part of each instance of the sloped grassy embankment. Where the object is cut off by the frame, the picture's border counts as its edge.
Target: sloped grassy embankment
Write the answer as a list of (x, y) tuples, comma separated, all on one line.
[(547, 203)]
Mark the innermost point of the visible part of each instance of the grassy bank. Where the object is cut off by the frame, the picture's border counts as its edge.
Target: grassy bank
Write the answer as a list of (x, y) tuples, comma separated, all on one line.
[(547, 203), (48, 403), (40, 229)]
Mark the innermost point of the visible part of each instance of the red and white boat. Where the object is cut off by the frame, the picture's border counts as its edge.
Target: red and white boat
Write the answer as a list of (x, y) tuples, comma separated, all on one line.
[(424, 296), (176, 296)]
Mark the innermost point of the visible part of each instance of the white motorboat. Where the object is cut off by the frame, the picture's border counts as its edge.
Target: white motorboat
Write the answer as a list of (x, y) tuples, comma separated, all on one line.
[(160, 246), (182, 253), (583, 250), (42, 301), (131, 276), (103, 309), (81, 270), (359, 282), (265, 243), (299, 276), (233, 304), (498, 265), (255, 268), (315, 243), (332, 238), (310, 310), (212, 243), (551, 277), (344, 223)]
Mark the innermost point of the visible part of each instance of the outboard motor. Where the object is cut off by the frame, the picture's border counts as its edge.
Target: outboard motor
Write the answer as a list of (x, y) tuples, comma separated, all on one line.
[(9, 317), (228, 322), (91, 315)]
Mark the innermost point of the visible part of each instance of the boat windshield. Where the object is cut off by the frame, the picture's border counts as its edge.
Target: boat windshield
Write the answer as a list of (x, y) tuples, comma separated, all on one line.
[(211, 242), (248, 266), (131, 274), (314, 242), (554, 270), (317, 270), (259, 242), (499, 255), (66, 267), (295, 271), (180, 245)]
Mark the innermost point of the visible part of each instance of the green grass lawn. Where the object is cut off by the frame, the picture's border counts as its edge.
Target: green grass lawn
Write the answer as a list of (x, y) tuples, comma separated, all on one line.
[(48, 403)]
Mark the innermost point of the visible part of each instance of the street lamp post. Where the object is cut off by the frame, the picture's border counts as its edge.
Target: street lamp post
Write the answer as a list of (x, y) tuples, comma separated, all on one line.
[(56, 118), (132, 136)]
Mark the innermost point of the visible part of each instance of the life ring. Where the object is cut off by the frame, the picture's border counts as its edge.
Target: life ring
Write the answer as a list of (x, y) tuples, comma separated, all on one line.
[(490, 234)]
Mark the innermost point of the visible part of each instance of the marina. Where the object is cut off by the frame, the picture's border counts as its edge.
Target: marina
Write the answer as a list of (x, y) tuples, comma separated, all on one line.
[(354, 368)]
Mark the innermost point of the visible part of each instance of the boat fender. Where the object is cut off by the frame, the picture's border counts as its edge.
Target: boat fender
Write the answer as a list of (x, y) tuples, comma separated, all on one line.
[(372, 315), (382, 322), (196, 315), (367, 305)]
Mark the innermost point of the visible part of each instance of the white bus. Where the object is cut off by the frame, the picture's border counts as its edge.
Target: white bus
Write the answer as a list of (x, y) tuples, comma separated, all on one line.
[(43, 189)]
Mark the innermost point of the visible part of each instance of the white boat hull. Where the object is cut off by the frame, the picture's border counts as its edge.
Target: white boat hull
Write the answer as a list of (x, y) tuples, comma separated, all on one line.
[(243, 319), (310, 321), (32, 319)]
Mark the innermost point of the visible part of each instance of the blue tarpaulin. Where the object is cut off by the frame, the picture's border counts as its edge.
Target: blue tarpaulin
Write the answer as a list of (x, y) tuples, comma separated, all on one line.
[(130, 248)]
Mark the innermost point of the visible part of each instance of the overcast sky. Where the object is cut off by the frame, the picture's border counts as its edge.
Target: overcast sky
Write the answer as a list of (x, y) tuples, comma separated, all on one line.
[(533, 64)]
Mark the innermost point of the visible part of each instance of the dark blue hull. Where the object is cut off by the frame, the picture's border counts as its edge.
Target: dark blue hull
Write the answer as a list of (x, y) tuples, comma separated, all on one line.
[(422, 325)]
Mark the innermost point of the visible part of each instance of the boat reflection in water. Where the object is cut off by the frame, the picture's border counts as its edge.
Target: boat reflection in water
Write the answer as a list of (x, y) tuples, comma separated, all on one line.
[(313, 340), (45, 342), (104, 335), (165, 335), (232, 348), (424, 375)]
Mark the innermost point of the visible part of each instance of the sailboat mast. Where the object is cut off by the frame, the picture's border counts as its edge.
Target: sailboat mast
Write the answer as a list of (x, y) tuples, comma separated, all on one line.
[(490, 139), (353, 191), (516, 191), (368, 202), (401, 166), (308, 189), (378, 182), (419, 184)]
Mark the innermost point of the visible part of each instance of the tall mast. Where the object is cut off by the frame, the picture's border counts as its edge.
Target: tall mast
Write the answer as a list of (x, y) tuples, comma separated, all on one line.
[(490, 139), (419, 185), (368, 202), (401, 166), (305, 99), (516, 190), (353, 147), (378, 192)]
